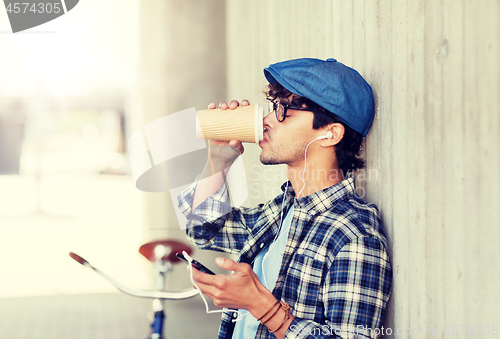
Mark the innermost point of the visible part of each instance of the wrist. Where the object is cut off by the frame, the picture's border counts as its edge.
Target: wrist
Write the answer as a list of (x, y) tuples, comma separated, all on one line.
[(218, 164), (263, 304)]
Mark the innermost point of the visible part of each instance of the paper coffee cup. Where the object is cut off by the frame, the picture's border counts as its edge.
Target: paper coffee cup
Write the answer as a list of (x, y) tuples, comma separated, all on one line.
[(244, 123)]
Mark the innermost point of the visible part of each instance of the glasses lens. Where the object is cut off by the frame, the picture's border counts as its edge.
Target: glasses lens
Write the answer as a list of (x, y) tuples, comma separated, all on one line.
[(280, 112)]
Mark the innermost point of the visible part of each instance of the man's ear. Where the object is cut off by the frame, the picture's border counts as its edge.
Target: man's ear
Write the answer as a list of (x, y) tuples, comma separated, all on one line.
[(337, 131)]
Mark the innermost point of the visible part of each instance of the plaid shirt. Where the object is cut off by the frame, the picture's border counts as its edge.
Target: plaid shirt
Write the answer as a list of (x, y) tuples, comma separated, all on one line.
[(335, 274)]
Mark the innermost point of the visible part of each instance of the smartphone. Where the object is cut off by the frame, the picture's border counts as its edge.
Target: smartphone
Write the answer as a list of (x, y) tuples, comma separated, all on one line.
[(200, 267)]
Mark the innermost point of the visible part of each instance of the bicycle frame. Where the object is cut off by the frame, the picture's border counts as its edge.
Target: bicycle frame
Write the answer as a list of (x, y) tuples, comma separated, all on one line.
[(161, 267)]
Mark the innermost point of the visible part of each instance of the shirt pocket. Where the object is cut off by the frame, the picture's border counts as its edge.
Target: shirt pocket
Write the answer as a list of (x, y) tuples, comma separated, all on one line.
[(302, 287)]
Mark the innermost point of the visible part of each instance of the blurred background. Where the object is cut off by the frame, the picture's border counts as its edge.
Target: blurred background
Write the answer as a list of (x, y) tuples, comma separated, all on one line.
[(74, 89), (65, 112)]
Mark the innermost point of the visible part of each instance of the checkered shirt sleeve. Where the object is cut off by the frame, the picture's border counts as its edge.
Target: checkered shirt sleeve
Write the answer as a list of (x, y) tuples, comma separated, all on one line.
[(214, 224)]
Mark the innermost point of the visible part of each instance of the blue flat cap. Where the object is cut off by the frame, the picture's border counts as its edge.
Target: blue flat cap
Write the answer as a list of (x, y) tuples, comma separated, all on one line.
[(330, 84)]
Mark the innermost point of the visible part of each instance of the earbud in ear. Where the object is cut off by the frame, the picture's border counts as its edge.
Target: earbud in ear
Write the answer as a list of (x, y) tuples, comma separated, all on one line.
[(328, 135)]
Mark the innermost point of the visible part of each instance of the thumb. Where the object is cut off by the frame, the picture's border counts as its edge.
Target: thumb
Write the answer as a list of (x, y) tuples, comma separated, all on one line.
[(226, 264), (237, 146)]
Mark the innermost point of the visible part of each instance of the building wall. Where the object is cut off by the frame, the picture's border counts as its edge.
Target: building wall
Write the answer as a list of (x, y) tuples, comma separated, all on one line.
[(433, 153)]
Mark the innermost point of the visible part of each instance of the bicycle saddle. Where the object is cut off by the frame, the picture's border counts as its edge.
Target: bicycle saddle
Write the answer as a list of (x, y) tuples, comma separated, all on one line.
[(171, 247)]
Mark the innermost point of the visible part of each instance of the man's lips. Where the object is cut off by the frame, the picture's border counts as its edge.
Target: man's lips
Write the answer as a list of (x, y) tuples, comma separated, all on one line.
[(263, 141)]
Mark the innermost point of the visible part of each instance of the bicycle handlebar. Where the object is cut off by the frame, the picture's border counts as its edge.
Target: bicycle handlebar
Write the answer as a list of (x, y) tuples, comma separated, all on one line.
[(141, 294)]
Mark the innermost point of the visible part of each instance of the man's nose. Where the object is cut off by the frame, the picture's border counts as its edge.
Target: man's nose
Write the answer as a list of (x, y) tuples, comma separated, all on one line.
[(270, 119)]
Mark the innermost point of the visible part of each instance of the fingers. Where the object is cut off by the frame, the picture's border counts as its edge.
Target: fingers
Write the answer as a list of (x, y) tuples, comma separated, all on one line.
[(232, 104), (237, 146), (203, 278)]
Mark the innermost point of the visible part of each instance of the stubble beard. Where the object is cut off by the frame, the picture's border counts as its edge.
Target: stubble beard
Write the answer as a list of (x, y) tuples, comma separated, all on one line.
[(281, 156), (269, 160)]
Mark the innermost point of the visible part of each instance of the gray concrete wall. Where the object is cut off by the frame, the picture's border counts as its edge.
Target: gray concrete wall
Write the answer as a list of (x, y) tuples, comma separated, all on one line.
[(433, 152)]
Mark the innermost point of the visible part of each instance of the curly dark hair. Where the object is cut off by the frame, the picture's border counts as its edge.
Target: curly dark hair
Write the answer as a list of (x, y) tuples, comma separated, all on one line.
[(347, 150)]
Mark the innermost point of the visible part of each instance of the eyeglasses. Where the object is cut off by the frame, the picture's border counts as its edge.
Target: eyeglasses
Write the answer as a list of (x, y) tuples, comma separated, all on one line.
[(280, 110)]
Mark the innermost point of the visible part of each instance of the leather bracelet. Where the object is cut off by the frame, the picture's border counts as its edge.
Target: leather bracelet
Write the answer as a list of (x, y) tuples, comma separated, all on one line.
[(269, 310), (287, 309), (272, 316)]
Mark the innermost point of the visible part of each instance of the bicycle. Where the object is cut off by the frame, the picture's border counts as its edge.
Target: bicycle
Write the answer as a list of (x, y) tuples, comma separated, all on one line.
[(162, 254)]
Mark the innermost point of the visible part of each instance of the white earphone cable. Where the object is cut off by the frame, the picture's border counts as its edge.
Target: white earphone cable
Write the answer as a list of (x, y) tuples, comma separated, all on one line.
[(305, 165), (276, 238), (278, 235), (190, 260)]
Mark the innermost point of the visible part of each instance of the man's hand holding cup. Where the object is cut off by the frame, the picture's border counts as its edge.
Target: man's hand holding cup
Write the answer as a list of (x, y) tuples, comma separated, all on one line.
[(218, 148)]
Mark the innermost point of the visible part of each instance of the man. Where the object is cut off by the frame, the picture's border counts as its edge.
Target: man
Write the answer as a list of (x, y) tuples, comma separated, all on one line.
[(313, 262)]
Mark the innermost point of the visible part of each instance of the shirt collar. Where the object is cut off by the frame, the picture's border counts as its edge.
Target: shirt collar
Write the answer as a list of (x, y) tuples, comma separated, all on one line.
[(323, 200)]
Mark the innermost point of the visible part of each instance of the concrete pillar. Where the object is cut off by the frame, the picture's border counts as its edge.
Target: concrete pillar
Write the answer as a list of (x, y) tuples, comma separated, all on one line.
[(182, 64)]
